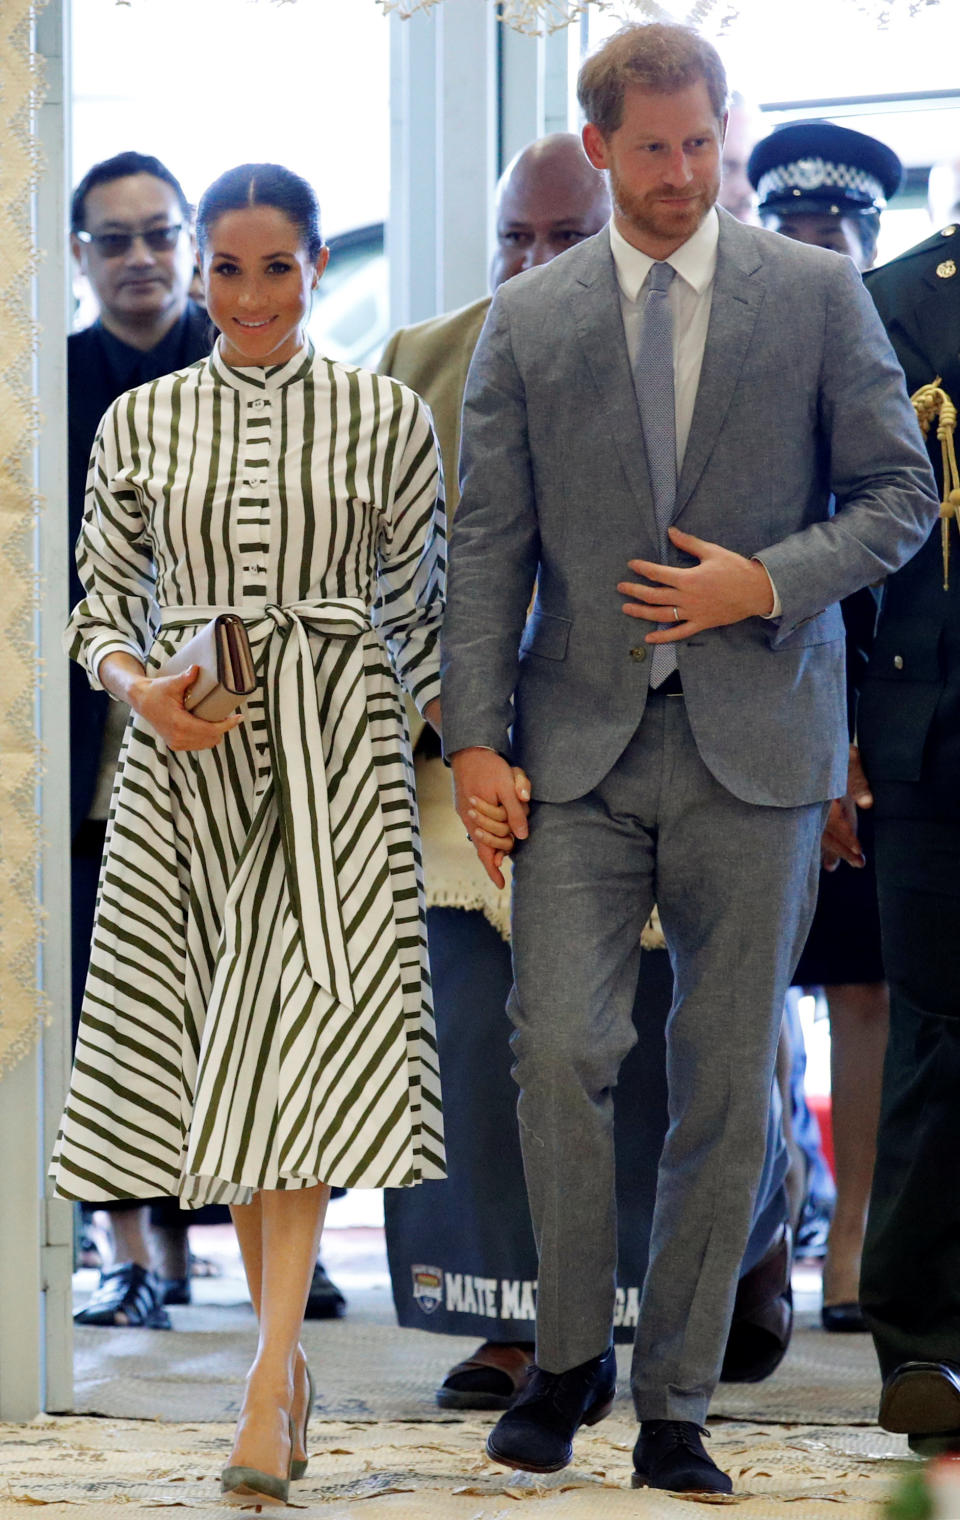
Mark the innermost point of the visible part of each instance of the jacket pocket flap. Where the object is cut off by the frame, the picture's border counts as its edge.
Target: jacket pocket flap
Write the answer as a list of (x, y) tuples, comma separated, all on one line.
[(546, 635)]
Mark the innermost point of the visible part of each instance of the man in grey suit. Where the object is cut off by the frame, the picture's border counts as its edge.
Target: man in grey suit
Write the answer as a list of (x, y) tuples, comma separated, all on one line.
[(653, 427)]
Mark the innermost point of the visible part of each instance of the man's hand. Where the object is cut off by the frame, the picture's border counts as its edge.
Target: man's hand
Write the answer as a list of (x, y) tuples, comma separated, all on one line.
[(723, 588), (840, 840), (485, 787)]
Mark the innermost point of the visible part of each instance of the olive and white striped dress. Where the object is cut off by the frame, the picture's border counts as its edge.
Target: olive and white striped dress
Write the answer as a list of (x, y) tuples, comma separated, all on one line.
[(257, 1010)]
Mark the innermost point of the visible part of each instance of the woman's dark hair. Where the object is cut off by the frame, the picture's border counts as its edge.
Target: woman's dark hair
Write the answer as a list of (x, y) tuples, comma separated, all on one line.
[(121, 166), (261, 185)]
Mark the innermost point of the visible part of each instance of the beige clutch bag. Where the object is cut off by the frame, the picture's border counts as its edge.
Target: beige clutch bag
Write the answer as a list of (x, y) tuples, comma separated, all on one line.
[(221, 652)]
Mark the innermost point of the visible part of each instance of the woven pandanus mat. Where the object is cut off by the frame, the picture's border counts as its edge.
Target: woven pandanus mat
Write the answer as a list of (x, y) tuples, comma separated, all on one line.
[(399, 1470)]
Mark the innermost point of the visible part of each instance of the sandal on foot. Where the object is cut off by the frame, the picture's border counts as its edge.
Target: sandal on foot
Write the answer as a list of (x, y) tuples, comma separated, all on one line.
[(298, 1465), (490, 1379), (128, 1290)]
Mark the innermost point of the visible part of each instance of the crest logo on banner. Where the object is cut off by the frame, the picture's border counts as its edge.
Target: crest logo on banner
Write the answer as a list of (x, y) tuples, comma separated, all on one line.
[(427, 1287)]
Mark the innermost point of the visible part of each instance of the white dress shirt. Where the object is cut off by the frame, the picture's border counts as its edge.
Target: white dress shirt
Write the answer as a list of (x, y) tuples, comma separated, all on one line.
[(690, 297)]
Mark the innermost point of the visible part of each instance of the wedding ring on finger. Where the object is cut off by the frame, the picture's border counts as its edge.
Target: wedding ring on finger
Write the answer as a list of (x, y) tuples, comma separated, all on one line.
[(676, 615)]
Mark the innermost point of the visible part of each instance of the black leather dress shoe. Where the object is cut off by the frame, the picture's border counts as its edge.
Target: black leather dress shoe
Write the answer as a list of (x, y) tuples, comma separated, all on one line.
[(670, 1454), (324, 1301), (935, 1446), (536, 1433), (921, 1399), (762, 1320), (843, 1319)]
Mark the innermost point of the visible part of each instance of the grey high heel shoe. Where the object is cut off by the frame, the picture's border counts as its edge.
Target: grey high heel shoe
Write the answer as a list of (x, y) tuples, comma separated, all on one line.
[(298, 1465), (241, 1485)]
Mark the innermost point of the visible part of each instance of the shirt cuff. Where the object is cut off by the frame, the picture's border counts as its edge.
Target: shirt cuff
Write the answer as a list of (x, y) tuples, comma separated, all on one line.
[(777, 604), (97, 651)]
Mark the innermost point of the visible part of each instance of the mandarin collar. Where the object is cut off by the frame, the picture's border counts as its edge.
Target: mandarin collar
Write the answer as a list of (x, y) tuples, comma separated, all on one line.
[(256, 379), (695, 260)]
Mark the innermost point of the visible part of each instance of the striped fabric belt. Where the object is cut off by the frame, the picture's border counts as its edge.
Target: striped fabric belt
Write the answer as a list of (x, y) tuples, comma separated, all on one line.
[(312, 740)]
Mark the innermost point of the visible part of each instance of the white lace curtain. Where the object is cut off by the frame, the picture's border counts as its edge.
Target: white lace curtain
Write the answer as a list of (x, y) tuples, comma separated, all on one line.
[(20, 761)]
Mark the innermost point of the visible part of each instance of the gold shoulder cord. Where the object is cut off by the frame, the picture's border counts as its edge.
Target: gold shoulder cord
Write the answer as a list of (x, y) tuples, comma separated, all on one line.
[(931, 402)]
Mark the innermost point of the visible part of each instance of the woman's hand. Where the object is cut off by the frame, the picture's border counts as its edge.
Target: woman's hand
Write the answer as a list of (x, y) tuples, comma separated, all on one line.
[(488, 820), (160, 701)]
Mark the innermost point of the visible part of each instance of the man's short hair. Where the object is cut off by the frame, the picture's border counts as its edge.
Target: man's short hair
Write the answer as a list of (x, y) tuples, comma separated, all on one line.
[(656, 56), (121, 166)]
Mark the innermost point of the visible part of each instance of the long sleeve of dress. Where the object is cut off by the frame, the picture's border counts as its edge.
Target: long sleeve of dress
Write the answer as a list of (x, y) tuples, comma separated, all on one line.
[(411, 560), (114, 558)]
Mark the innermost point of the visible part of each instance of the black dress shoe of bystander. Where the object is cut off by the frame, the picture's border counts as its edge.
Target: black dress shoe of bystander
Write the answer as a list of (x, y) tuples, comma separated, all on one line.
[(762, 1320), (843, 1319), (324, 1301), (536, 1433), (670, 1454), (941, 1445), (921, 1399)]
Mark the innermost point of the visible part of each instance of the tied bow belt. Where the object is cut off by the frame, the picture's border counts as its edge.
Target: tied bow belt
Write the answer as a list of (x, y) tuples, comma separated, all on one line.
[(311, 740)]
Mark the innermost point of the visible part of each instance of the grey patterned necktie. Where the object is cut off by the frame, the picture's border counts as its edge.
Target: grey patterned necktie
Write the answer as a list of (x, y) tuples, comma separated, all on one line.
[(653, 371)]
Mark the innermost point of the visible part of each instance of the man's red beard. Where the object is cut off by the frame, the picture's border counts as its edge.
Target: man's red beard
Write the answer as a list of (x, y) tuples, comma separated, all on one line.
[(648, 213)]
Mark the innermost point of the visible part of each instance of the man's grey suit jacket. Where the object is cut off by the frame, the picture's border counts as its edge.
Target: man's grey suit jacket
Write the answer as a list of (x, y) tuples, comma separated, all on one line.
[(801, 398)]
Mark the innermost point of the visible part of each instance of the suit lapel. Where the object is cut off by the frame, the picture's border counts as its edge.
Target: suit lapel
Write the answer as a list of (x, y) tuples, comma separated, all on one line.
[(738, 290), (599, 326)]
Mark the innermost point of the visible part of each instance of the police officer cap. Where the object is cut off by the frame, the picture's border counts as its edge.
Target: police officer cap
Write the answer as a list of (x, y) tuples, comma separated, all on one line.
[(814, 166)]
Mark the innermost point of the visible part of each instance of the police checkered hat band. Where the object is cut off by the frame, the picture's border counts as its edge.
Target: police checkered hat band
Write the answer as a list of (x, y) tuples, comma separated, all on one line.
[(807, 175)]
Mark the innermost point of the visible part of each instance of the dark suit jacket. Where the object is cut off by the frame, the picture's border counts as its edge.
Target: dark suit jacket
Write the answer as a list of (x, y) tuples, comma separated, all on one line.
[(916, 656), (99, 369)]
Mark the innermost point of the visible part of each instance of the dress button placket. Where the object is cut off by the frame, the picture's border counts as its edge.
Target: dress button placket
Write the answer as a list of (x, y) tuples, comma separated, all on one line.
[(253, 524)]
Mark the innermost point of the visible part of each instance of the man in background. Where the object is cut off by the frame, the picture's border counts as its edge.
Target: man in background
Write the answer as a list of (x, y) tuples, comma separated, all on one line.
[(130, 235), (909, 731), (548, 200), (737, 195)]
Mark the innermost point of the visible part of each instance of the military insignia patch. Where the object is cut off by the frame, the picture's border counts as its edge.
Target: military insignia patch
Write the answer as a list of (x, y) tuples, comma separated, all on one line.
[(947, 269), (427, 1287)]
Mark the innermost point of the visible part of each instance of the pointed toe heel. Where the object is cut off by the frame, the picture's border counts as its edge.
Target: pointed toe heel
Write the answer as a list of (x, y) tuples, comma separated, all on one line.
[(248, 1485), (298, 1465)]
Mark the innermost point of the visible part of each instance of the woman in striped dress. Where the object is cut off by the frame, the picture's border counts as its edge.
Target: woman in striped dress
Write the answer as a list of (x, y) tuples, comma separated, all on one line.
[(257, 1023)]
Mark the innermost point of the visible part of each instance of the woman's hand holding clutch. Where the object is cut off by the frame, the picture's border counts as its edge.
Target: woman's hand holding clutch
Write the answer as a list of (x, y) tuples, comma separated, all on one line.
[(160, 701)]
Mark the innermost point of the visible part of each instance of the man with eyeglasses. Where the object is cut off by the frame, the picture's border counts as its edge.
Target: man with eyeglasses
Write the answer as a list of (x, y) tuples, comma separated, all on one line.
[(130, 235)]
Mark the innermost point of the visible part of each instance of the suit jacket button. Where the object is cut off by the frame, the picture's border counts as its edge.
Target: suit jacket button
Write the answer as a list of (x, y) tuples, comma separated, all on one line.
[(898, 662), (639, 654)]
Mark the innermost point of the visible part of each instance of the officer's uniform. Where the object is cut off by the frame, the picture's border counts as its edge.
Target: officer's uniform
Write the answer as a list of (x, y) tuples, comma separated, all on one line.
[(909, 731)]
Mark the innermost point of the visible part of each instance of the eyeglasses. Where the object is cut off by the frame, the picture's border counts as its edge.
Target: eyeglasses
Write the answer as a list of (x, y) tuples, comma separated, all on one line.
[(113, 245)]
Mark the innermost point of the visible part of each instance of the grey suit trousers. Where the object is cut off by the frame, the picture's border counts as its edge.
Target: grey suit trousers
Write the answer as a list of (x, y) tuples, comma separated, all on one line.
[(736, 887)]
